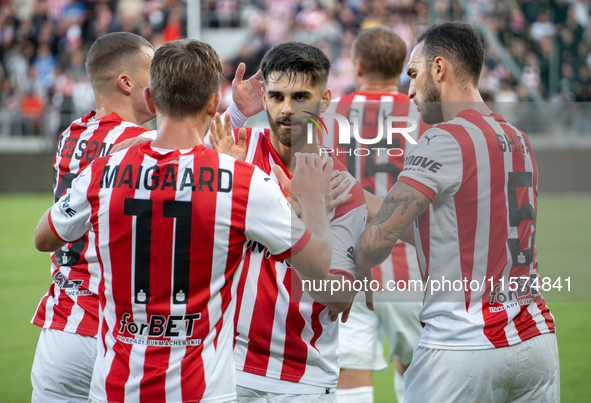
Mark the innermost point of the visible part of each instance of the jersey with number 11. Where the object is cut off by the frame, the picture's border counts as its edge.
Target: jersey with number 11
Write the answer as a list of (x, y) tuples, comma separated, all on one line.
[(170, 232)]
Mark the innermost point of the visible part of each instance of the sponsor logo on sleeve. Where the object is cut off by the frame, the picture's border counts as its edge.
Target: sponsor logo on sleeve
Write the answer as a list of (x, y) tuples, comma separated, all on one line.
[(65, 208), (420, 163)]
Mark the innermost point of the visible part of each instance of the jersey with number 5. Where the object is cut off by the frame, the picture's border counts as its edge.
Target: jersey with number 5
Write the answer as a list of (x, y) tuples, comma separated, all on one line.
[(475, 242)]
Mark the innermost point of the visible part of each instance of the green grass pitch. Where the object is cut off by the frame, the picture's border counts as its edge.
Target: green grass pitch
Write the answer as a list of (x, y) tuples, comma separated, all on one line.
[(564, 249)]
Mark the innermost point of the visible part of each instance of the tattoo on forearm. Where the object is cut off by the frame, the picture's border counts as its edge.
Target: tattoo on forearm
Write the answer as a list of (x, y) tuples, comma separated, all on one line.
[(378, 240)]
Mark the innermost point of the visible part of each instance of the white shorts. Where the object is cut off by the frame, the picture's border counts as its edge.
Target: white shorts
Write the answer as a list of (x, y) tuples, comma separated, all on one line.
[(524, 372), (62, 367), (247, 395), (360, 338)]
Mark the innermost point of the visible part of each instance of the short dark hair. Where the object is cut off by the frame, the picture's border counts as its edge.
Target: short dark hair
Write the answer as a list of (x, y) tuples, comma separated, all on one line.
[(460, 44), (110, 52), (183, 76), (380, 51), (294, 58)]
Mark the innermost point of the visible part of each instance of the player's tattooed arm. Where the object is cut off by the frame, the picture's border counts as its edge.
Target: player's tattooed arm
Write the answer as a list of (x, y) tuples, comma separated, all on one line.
[(400, 208)]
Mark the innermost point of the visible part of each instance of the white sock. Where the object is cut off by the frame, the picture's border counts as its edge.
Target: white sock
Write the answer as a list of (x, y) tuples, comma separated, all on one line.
[(399, 387), (355, 395)]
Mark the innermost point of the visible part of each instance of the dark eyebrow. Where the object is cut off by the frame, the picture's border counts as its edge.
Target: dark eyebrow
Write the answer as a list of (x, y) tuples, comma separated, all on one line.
[(295, 94), (302, 93)]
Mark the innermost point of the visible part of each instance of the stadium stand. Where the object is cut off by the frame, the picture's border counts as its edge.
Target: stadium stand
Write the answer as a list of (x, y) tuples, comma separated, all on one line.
[(43, 85)]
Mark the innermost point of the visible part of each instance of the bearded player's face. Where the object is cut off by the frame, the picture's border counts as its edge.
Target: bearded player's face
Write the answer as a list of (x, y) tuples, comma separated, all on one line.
[(423, 90), (280, 94)]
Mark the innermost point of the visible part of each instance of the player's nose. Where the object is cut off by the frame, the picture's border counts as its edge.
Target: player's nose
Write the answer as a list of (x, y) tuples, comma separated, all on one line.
[(286, 106)]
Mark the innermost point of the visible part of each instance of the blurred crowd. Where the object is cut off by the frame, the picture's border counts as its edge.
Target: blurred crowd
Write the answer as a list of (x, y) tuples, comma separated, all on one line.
[(44, 86)]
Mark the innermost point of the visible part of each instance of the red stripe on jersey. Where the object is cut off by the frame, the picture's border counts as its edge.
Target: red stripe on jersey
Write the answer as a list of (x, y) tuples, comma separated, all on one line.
[(202, 234), (121, 281), (257, 356), (299, 245), (524, 322), (418, 186), (494, 323), (53, 228), (399, 262), (237, 238), (294, 366), (240, 290), (317, 309), (467, 195)]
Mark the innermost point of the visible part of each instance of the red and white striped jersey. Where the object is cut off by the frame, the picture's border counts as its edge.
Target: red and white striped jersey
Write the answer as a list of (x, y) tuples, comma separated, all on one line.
[(285, 341), (71, 304), (378, 171), (479, 231), (170, 231)]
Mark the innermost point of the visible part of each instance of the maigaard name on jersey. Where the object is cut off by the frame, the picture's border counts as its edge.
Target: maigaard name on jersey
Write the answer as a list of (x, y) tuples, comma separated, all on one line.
[(159, 177)]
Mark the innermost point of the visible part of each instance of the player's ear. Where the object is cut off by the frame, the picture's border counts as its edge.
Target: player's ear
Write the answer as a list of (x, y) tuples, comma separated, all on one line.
[(357, 68), (149, 100), (212, 106), (124, 83), (263, 93), (325, 100), (439, 68)]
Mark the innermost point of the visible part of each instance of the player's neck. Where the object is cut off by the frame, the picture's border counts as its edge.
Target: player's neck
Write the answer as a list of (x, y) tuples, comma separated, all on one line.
[(285, 153), (180, 133), (379, 86), (108, 105), (458, 100)]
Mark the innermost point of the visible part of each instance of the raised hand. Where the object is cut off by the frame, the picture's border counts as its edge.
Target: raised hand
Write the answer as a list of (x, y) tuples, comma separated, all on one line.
[(247, 95), (222, 140)]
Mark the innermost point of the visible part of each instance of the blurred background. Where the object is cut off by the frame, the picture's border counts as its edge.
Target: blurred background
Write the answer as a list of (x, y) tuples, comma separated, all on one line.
[(536, 50)]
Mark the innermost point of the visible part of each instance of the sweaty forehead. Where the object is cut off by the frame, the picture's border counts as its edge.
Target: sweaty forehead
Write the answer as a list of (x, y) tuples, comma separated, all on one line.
[(286, 82)]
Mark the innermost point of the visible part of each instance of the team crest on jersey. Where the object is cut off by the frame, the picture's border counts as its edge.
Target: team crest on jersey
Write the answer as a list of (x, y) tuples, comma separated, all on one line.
[(141, 296), (180, 296)]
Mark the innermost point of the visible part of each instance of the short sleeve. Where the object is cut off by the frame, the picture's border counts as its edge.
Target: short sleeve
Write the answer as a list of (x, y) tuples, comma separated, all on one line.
[(434, 166), (69, 218), (270, 219), (345, 232)]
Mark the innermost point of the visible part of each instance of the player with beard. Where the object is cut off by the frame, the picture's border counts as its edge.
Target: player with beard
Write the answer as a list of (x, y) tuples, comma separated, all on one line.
[(471, 185), (286, 344), (378, 59)]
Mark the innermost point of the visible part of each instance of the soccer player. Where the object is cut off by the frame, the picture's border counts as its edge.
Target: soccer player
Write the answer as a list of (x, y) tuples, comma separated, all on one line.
[(471, 185), (286, 346), (171, 220), (378, 55), (118, 65)]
